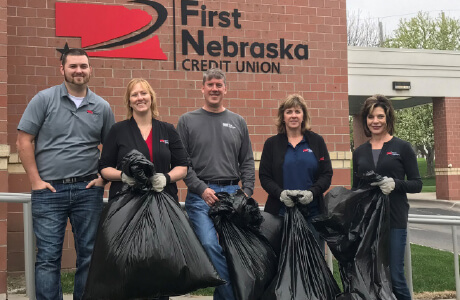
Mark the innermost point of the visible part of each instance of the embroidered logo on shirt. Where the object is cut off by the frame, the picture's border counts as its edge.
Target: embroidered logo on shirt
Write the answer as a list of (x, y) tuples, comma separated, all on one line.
[(307, 150), (164, 141), (393, 153), (90, 111), (228, 125)]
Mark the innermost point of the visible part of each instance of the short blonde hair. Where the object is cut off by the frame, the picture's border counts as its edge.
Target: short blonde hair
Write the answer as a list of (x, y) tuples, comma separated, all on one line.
[(293, 100), (153, 105)]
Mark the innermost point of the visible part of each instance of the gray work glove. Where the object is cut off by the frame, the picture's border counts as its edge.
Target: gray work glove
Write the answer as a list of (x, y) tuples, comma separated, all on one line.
[(284, 197), (158, 182), (305, 197), (386, 185), (128, 180)]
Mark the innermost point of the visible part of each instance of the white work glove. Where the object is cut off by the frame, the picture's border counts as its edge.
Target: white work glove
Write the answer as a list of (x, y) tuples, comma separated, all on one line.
[(158, 182), (386, 185), (305, 197), (284, 197), (128, 180)]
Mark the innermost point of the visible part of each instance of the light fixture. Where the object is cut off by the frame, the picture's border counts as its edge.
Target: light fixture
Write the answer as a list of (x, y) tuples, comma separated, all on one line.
[(401, 85), (399, 98)]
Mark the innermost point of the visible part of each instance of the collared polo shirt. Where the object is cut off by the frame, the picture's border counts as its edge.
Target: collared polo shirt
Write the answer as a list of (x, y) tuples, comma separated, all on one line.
[(66, 137), (299, 167)]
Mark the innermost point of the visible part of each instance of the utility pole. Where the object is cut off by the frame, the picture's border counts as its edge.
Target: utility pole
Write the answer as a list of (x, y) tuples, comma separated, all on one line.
[(380, 34)]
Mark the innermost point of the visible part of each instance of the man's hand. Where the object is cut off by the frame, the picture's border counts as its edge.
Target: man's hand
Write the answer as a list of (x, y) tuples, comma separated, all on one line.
[(209, 196), (158, 182), (305, 197), (387, 185), (96, 182), (41, 185)]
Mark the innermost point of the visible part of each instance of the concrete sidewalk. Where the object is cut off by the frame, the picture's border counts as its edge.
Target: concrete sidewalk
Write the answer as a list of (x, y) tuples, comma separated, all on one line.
[(429, 200)]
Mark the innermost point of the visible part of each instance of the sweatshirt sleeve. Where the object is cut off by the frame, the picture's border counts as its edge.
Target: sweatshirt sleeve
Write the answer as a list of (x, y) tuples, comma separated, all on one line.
[(413, 182), (194, 184), (246, 162), (267, 181), (323, 182)]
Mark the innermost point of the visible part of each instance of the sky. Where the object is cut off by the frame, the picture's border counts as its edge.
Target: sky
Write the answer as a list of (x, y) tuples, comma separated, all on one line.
[(391, 11)]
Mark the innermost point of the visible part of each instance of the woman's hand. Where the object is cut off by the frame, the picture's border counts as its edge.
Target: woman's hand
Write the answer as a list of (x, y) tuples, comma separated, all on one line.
[(159, 182), (387, 185), (286, 199)]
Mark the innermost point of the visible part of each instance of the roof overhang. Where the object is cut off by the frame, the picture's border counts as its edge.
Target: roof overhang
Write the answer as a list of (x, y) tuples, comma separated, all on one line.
[(431, 73)]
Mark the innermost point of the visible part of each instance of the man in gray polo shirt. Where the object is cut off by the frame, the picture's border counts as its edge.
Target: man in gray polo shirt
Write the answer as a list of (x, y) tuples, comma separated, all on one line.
[(58, 138), (218, 143)]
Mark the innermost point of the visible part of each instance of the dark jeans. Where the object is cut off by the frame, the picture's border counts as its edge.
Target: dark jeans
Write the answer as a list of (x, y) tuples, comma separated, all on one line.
[(203, 226), (397, 251), (50, 212)]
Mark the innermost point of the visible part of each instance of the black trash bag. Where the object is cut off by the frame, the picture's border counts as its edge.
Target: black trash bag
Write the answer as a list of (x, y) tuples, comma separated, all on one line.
[(272, 229), (302, 271), (145, 246), (250, 258), (137, 166), (357, 230)]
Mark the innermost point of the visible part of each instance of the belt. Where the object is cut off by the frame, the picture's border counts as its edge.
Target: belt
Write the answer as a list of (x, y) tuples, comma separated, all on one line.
[(223, 182), (74, 179)]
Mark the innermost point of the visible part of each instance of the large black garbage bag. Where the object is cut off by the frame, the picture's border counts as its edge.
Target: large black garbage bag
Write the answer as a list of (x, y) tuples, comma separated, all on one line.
[(250, 258), (302, 270), (145, 247), (272, 229), (357, 230)]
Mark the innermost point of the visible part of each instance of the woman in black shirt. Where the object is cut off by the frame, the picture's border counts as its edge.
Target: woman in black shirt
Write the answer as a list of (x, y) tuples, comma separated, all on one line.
[(158, 141), (395, 159)]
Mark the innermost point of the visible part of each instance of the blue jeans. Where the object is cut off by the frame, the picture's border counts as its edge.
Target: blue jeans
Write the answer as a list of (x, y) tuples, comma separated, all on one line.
[(203, 226), (397, 251), (50, 212)]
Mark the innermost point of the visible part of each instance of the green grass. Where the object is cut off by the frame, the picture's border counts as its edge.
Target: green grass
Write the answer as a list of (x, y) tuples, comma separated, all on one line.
[(429, 183), (67, 279), (204, 292), (432, 271)]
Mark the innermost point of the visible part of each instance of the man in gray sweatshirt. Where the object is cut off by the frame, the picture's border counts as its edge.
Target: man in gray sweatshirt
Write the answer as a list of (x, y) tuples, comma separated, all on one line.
[(218, 143)]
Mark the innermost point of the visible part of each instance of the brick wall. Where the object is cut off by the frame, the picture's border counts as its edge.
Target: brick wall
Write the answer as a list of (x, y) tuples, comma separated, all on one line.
[(447, 147), (322, 79), (3, 158)]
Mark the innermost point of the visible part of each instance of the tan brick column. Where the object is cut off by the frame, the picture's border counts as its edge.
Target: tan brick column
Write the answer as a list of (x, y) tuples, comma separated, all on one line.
[(447, 141)]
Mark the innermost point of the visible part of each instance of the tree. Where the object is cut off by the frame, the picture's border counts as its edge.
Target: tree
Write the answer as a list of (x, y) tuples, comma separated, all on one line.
[(361, 32), (424, 32), (415, 125)]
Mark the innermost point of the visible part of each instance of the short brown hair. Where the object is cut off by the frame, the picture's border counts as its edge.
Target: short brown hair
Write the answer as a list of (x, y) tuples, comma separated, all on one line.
[(73, 52), (378, 101), (293, 100), (148, 87), (214, 73)]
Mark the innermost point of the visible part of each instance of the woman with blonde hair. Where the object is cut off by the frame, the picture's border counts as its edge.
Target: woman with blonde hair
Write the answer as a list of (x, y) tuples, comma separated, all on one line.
[(157, 140)]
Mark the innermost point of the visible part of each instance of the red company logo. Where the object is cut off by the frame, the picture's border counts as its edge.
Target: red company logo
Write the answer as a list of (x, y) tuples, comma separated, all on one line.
[(111, 26)]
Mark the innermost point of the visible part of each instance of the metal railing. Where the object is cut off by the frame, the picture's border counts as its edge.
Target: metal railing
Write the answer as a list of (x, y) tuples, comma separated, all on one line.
[(452, 221), (29, 242)]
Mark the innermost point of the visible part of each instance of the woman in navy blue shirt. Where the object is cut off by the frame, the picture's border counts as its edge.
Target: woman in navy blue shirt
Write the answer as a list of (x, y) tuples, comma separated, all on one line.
[(395, 159), (295, 162)]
